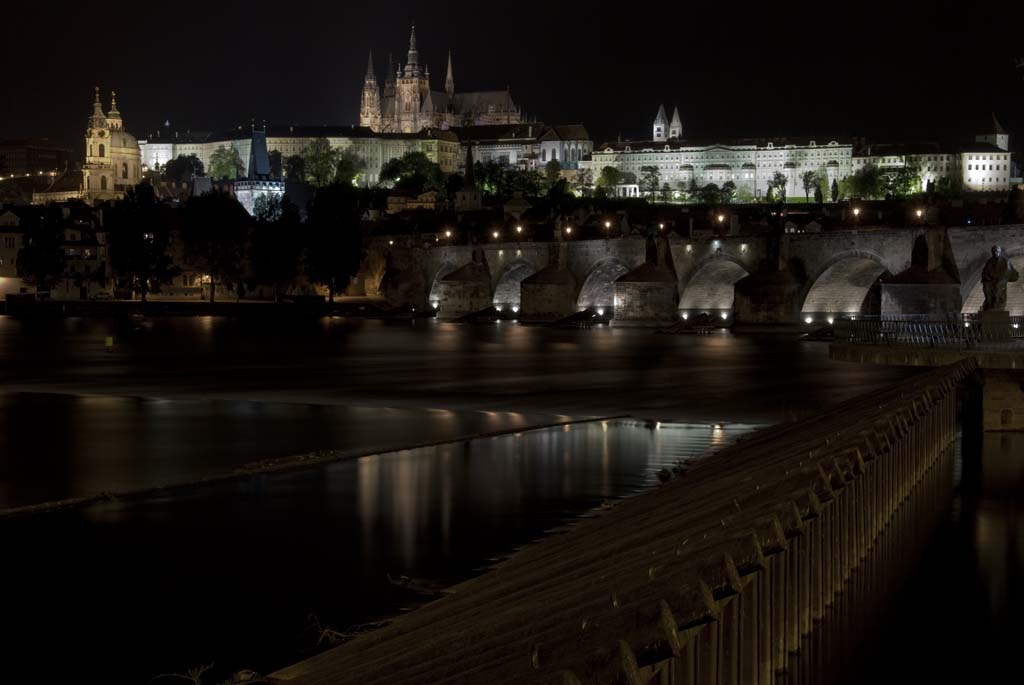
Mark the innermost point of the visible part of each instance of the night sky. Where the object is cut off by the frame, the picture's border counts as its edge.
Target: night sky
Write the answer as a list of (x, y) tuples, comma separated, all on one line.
[(889, 71)]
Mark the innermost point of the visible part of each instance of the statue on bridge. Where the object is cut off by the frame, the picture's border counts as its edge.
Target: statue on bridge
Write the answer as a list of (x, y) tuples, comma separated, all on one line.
[(997, 273)]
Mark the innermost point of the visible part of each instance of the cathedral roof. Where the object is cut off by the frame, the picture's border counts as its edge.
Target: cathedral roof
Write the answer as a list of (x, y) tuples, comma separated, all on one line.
[(483, 101), (436, 101), (566, 132), (499, 132)]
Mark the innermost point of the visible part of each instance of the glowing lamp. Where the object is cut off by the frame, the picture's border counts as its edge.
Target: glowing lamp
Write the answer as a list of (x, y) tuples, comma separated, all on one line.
[(515, 310), (497, 307), (495, 234), (568, 229), (856, 211), (447, 234), (600, 312), (724, 315), (685, 316), (391, 242), (721, 218), (607, 224), (808, 320), (519, 229), (830, 320), (919, 213)]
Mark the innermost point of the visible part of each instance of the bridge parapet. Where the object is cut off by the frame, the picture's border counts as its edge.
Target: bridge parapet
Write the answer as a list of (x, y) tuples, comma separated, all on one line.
[(718, 576)]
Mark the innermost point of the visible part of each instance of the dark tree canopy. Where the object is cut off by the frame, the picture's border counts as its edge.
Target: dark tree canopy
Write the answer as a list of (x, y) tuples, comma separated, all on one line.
[(41, 258), (215, 231), (139, 235), (276, 246), (276, 163), (183, 168), (295, 168), (334, 242), (413, 172), (225, 162), (320, 162)]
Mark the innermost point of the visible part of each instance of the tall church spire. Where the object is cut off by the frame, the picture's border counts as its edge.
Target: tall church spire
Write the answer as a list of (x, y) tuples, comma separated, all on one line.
[(449, 80), (371, 76), (113, 116), (413, 58), (660, 124), (675, 129), (98, 119)]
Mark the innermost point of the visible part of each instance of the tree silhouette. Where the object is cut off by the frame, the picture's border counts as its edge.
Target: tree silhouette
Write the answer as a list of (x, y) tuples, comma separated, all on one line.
[(215, 233), (138, 234)]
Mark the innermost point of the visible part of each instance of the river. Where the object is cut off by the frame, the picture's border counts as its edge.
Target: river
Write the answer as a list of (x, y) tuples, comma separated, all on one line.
[(240, 572)]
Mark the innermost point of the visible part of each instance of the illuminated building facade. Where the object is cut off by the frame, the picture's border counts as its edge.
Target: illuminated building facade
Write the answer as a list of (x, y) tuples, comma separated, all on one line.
[(407, 104), (113, 161), (373, 149), (982, 166), (751, 164)]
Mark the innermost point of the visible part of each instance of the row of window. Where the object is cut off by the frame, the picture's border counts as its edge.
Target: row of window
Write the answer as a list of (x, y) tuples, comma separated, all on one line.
[(985, 167)]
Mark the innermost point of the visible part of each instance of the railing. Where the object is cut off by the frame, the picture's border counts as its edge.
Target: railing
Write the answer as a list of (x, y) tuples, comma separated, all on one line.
[(719, 576), (958, 331)]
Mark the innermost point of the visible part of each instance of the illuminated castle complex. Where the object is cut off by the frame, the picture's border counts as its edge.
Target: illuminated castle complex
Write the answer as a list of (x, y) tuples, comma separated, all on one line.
[(408, 105)]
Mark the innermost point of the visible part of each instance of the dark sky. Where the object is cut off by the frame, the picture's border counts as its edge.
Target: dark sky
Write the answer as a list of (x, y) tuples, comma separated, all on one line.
[(903, 68)]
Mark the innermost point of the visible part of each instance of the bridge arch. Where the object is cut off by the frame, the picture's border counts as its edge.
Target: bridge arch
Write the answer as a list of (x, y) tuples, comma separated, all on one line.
[(508, 288), (434, 294), (841, 285), (598, 289), (711, 285), (974, 292)]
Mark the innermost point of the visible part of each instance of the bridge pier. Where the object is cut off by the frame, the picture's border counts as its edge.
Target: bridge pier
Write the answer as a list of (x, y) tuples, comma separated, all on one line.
[(1002, 400)]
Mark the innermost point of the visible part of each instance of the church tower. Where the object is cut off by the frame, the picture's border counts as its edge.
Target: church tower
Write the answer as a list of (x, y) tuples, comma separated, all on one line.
[(112, 157), (369, 109), (675, 129), (409, 88), (660, 124), (97, 171)]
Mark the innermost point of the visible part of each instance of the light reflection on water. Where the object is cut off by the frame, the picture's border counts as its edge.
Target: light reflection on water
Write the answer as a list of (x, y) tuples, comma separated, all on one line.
[(255, 557)]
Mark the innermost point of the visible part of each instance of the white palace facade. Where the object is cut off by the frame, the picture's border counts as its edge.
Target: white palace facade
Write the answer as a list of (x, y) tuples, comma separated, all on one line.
[(751, 164)]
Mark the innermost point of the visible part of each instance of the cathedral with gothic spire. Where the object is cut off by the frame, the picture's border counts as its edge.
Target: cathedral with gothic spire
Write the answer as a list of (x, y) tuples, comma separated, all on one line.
[(407, 104)]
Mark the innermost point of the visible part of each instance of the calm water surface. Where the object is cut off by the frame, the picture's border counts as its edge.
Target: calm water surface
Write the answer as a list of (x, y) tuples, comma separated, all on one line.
[(231, 573), (235, 573)]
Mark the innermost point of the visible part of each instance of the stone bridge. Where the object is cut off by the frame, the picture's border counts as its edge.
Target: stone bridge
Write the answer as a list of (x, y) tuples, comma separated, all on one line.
[(784, 279)]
